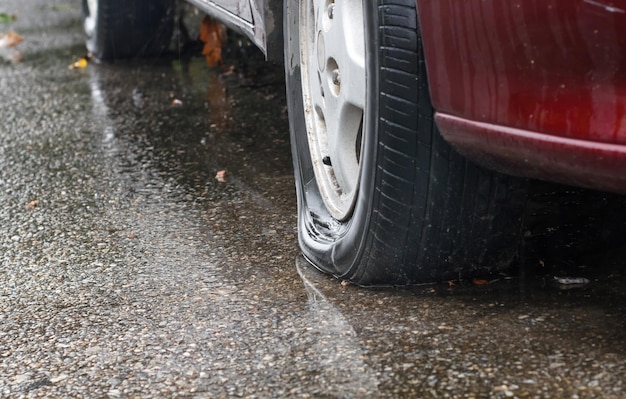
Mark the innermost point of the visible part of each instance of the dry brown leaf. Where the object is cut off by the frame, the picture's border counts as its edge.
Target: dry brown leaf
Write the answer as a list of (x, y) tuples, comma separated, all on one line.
[(213, 35), (479, 281), (12, 55), (10, 39), (177, 102), (33, 204), (221, 176)]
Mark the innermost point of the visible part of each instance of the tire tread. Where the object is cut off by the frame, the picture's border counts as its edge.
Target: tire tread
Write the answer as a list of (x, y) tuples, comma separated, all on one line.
[(457, 193)]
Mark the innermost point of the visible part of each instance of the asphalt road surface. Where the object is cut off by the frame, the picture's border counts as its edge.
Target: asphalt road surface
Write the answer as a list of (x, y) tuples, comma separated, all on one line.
[(148, 249)]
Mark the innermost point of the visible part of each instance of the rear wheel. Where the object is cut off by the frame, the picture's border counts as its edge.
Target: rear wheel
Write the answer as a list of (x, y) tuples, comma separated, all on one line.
[(127, 28), (382, 198)]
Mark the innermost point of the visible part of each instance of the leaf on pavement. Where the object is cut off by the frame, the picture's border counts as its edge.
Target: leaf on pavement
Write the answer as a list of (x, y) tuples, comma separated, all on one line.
[(220, 176), (81, 63), (7, 42), (213, 35), (10, 39), (11, 55), (571, 280), (7, 18)]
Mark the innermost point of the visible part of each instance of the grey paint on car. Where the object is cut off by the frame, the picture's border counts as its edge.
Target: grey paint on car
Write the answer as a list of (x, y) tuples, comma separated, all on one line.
[(259, 20)]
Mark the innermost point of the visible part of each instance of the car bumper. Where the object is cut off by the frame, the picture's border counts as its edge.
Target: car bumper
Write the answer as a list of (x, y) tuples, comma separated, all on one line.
[(534, 154)]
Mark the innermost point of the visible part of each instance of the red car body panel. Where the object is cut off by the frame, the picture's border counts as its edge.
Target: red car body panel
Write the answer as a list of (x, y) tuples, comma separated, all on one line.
[(534, 87)]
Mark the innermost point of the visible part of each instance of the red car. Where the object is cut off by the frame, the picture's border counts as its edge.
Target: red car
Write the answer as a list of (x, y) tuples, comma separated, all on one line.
[(414, 123)]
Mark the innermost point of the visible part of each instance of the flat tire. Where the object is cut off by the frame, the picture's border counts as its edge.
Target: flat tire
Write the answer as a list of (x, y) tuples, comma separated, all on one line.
[(382, 198)]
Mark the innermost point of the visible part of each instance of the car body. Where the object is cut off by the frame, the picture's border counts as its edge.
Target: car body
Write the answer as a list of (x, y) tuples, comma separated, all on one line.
[(534, 88)]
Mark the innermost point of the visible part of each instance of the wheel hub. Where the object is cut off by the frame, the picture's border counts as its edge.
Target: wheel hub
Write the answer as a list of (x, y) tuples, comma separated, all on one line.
[(332, 58), (91, 11)]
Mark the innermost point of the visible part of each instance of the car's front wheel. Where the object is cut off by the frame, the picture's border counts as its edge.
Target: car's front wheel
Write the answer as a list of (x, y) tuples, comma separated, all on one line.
[(117, 29), (382, 198)]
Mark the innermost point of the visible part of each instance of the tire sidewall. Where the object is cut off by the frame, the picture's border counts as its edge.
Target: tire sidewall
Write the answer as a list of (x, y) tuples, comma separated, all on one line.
[(336, 246)]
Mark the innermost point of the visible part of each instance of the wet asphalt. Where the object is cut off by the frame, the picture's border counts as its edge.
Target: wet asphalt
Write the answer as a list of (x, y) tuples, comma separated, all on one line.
[(127, 269)]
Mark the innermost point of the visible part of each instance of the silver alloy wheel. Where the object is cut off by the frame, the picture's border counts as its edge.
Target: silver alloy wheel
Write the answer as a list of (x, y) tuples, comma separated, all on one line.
[(91, 13), (332, 58)]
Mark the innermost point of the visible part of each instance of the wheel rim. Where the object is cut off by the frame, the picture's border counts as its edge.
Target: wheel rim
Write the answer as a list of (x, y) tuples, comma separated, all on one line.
[(91, 11), (332, 59)]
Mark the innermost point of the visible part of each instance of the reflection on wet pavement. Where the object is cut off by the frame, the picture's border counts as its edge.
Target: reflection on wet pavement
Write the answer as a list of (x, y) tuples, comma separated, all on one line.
[(336, 346), (508, 338)]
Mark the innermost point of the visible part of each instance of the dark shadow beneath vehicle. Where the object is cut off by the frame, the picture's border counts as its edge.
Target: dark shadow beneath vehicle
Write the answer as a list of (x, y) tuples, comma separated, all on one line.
[(572, 231)]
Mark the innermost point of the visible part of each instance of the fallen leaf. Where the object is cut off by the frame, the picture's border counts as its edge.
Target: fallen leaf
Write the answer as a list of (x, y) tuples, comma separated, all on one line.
[(479, 281), (16, 56), (80, 64), (176, 101), (33, 204), (11, 55), (220, 176), (213, 35), (7, 18), (229, 71), (451, 283), (571, 280), (10, 39)]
